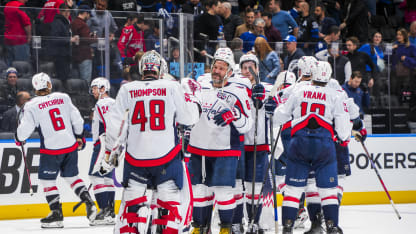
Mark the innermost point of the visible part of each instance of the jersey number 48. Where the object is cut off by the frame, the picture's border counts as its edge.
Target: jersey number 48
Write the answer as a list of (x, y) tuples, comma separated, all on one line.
[(157, 115)]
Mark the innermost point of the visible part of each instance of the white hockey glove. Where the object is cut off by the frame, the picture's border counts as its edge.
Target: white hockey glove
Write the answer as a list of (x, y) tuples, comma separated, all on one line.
[(192, 90), (110, 161)]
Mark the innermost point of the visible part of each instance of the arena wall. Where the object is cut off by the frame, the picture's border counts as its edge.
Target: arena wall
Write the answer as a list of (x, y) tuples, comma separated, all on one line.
[(394, 155)]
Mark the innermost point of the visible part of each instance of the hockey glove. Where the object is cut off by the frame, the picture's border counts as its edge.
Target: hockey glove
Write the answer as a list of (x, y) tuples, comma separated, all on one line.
[(109, 163), (360, 135), (17, 142), (224, 118), (270, 106), (81, 142), (258, 95)]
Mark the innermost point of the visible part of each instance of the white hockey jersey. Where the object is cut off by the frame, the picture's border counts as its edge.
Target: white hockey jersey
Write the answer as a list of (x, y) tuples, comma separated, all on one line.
[(154, 108), (101, 116), (211, 140), (322, 103), (57, 120)]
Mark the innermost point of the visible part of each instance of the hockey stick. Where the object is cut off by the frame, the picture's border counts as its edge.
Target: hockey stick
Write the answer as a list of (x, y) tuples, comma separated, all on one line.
[(24, 153), (276, 222), (80, 202), (265, 176), (253, 182), (380, 179)]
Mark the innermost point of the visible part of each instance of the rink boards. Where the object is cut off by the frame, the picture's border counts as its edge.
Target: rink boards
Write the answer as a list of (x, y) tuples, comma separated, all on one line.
[(394, 156)]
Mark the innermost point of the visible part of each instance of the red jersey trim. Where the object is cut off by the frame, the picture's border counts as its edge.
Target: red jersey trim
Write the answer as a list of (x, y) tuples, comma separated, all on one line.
[(214, 153), (287, 125), (102, 117), (59, 151), (250, 148), (304, 123), (154, 162)]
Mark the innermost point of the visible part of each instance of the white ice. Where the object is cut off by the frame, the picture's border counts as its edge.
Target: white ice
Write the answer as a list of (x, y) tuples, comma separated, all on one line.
[(367, 219)]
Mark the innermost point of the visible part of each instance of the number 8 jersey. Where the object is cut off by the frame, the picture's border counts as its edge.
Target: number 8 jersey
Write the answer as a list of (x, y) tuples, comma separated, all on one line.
[(57, 120), (155, 107)]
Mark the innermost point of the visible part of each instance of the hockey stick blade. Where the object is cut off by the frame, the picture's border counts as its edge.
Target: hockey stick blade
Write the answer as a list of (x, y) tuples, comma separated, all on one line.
[(380, 179), (80, 203)]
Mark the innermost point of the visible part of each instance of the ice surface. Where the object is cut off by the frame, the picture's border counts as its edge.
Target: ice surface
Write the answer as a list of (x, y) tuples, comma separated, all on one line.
[(361, 219)]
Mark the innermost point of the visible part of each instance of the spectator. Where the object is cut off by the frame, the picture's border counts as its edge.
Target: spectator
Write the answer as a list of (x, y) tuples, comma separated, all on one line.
[(324, 22), (17, 33), (9, 123), (230, 21), (361, 96), (248, 23), (355, 20), (308, 29), (99, 18), (119, 9), (147, 5), (169, 5), (269, 60), (332, 36), (193, 7), (236, 45), (175, 55), (412, 33), (375, 51), (295, 12), (249, 37), (9, 89), (282, 19), (131, 19), (409, 8), (294, 53), (151, 36), (403, 63), (59, 49), (258, 9), (333, 9), (50, 9), (81, 52), (271, 33), (208, 23), (341, 66), (359, 60), (132, 39)]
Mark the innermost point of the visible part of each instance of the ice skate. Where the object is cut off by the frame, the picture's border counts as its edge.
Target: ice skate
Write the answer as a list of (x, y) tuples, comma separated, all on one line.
[(90, 206), (237, 228), (301, 219), (199, 229), (104, 217), (255, 229), (316, 226), (225, 229), (287, 227), (332, 229), (54, 219)]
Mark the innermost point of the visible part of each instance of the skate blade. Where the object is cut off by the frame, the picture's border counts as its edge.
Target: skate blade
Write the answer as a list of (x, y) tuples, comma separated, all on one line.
[(58, 224), (102, 222)]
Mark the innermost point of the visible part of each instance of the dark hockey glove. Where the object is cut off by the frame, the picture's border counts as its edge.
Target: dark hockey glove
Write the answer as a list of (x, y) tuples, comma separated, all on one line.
[(270, 106), (81, 142), (224, 118), (258, 95)]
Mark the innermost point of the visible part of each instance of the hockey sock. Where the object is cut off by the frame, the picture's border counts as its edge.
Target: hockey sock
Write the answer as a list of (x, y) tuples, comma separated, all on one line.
[(202, 215), (290, 203), (101, 199), (109, 191), (226, 216), (110, 198), (249, 209), (302, 201), (76, 184), (313, 210), (51, 193), (331, 213), (238, 214)]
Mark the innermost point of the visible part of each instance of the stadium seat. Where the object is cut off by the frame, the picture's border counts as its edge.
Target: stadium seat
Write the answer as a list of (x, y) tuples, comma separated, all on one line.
[(25, 84), (47, 68), (3, 66), (23, 68), (57, 85), (77, 87)]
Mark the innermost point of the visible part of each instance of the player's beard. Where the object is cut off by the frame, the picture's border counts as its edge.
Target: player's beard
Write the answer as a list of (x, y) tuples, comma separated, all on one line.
[(217, 81)]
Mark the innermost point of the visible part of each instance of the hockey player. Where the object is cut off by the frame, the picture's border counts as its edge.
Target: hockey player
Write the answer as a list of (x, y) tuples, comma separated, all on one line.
[(215, 144), (312, 196), (60, 126), (315, 110), (151, 106), (103, 186)]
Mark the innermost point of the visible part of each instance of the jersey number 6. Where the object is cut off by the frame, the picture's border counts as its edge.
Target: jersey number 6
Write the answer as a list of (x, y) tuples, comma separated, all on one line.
[(57, 121), (157, 115)]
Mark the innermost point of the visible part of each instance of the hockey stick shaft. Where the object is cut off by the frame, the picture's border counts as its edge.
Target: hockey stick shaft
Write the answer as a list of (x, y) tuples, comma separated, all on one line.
[(27, 169), (380, 179), (80, 202), (265, 176), (276, 223)]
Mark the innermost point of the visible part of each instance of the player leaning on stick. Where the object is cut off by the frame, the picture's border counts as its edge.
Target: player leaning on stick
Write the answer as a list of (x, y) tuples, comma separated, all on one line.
[(60, 127), (318, 113), (151, 108), (103, 186), (215, 144)]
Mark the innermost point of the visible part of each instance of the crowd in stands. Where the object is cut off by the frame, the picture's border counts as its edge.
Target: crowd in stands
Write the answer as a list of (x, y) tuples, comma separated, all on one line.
[(351, 35)]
